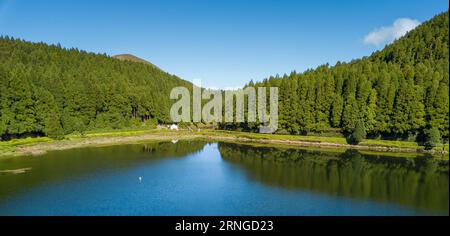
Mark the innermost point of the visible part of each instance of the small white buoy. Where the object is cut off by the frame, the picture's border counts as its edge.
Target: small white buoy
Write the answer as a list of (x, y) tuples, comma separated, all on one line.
[(140, 179)]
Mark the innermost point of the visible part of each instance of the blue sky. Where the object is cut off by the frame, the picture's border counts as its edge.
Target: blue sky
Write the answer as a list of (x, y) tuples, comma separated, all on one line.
[(223, 43)]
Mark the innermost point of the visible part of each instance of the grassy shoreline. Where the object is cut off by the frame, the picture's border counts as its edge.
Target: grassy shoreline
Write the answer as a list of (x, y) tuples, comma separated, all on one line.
[(37, 146)]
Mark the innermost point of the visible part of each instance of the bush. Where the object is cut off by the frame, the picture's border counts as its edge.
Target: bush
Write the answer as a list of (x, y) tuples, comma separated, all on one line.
[(151, 123), (359, 133), (55, 132), (432, 138)]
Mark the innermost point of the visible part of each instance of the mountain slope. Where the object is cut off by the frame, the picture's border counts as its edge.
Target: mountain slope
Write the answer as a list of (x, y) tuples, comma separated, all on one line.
[(49, 90), (398, 93), (132, 58), (428, 42)]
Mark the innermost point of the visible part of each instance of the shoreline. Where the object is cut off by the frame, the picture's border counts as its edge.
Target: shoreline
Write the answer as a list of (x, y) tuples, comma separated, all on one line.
[(36, 147)]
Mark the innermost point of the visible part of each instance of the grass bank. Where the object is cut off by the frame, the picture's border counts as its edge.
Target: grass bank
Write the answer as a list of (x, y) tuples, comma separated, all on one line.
[(36, 146)]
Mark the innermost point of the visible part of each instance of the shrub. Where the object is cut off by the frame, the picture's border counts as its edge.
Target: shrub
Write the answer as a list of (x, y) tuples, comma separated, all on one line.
[(359, 133), (432, 138)]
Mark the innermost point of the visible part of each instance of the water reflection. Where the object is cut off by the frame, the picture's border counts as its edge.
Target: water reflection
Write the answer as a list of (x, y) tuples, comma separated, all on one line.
[(62, 165), (419, 182)]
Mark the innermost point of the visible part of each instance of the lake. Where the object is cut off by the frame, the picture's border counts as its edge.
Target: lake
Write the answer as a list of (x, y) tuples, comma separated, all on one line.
[(201, 178)]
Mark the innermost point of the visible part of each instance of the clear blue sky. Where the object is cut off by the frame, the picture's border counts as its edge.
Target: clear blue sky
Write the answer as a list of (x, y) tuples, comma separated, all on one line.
[(224, 43)]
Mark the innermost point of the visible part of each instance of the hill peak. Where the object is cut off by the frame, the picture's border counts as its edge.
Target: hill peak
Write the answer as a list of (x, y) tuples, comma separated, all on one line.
[(132, 58)]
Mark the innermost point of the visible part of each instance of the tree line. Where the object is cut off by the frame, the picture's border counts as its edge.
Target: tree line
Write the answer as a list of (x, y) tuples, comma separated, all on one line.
[(53, 91), (400, 92)]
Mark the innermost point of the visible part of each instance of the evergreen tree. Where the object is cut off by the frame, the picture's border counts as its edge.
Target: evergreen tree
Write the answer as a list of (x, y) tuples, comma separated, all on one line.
[(359, 133), (48, 119), (432, 138)]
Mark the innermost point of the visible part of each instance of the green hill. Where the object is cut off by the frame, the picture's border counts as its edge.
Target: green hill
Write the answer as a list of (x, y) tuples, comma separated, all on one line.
[(50, 90), (129, 57), (397, 93)]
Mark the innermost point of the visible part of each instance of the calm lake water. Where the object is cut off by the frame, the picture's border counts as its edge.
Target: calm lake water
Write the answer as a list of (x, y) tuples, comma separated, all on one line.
[(199, 178)]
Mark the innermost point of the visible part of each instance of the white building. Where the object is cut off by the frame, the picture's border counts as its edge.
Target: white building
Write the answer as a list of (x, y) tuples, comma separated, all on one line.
[(174, 127)]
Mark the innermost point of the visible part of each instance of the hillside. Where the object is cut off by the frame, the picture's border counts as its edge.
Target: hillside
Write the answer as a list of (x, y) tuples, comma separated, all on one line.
[(400, 92), (132, 58), (427, 43), (50, 90)]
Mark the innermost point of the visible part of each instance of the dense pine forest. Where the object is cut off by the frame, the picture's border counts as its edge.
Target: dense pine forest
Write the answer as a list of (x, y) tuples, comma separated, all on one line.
[(48, 90), (400, 92)]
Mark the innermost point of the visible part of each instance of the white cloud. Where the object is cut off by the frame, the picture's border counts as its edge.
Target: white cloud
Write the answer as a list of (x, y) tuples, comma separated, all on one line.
[(388, 34)]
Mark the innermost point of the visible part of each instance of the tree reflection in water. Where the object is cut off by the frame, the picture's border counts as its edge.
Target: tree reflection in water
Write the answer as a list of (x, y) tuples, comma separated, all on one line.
[(420, 181)]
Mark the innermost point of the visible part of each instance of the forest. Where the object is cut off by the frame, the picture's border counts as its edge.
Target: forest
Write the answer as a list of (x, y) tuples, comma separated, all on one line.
[(400, 92), (53, 91)]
